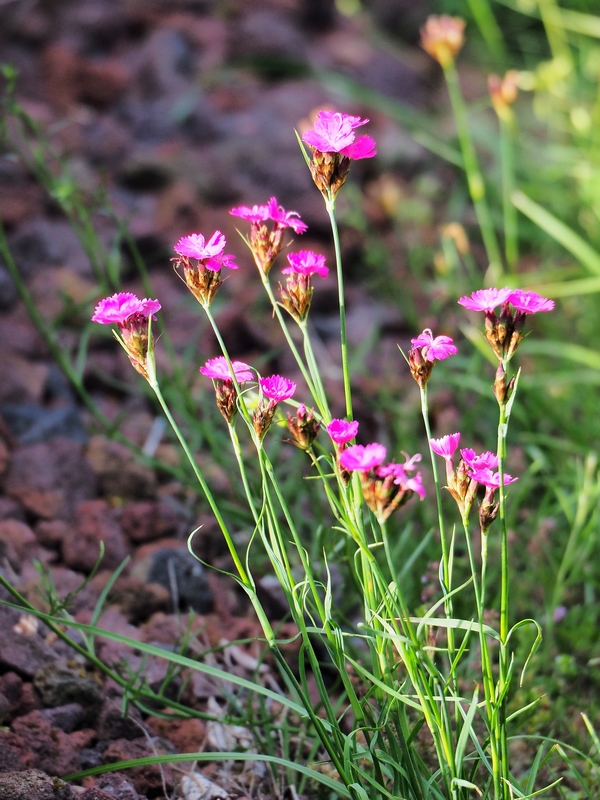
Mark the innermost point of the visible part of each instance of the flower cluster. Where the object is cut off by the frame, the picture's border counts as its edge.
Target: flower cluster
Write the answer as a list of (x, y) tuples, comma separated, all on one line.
[(425, 351), (266, 242), (387, 486), (472, 471), (504, 331), (202, 261), (297, 294), (132, 318), (334, 144)]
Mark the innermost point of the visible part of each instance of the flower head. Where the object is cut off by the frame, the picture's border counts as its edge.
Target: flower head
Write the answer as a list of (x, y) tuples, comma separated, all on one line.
[(434, 349), (529, 302), (486, 299), (120, 307), (442, 37), (446, 445), (503, 92), (342, 432), (334, 144), (131, 316), (218, 369), (474, 462), (202, 261), (306, 263), (487, 477), (304, 427), (266, 243), (362, 458), (277, 388)]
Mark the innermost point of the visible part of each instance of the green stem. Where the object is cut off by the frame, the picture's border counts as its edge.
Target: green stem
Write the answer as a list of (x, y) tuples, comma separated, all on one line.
[(511, 233), (330, 206), (474, 176), (315, 373)]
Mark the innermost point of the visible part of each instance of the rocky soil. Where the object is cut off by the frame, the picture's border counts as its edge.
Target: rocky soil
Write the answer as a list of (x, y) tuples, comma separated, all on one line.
[(176, 111)]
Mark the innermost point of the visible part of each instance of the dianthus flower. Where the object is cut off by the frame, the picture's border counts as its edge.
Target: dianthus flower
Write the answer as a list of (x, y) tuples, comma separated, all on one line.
[(443, 37), (225, 391), (218, 369), (304, 427), (132, 318), (275, 389), (202, 261), (425, 351), (362, 458), (445, 446), (264, 243), (342, 432), (503, 331), (385, 486), (474, 462), (488, 508), (334, 143), (297, 295), (487, 477)]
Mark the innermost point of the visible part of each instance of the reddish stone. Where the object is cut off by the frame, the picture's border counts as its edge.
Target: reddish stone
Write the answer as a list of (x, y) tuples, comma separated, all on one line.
[(15, 755), (21, 652), (147, 779), (187, 735), (120, 474), (52, 748), (95, 522), (51, 532), (136, 599), (147, 521), (18, 539), (32, 784)]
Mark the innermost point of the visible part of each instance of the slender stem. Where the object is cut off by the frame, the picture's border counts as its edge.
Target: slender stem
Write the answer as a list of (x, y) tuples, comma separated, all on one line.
[(315, 373), (511, 233), (330, 206), (474, 176)]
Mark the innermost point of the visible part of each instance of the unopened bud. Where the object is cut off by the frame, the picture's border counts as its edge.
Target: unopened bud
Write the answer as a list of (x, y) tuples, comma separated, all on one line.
[(443, 37), (503, 92)]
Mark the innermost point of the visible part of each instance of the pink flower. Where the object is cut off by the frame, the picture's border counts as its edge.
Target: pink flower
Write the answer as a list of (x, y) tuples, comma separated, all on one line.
[(218, 369), (487, 460), (446, 446), (118, 308), (529, 302), (277, 388), (486, 299), (333, 132), (362, 458), (434, 349), (210, 252), (306, 263), (342, 432), (491, 479), (401, 479), (272, 211)]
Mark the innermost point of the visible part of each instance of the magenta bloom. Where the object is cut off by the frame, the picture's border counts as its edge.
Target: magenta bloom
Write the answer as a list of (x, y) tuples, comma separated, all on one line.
[(121, 306), (487, 460), (277, 388), (529, 302), (333, 132), (342, 432), (446, 446), (486, 299), (434, 349), (491, 479), (210, 252), (362, 458), (272, 211), (218, 369), (306, 263)]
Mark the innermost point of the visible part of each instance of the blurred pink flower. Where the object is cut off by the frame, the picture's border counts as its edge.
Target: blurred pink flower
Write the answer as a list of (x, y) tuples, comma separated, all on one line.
[(486, 299), (491, 479), (210, 252), (529, 302), (342, 432), (118, 308), (277, 388), (333, 132), (362, 458), (272, 211), (306, 262), (446, 445), (434, 349), (218, 369)]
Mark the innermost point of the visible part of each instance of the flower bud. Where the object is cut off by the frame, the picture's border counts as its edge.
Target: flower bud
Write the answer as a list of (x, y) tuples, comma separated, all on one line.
[(443, 37)]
